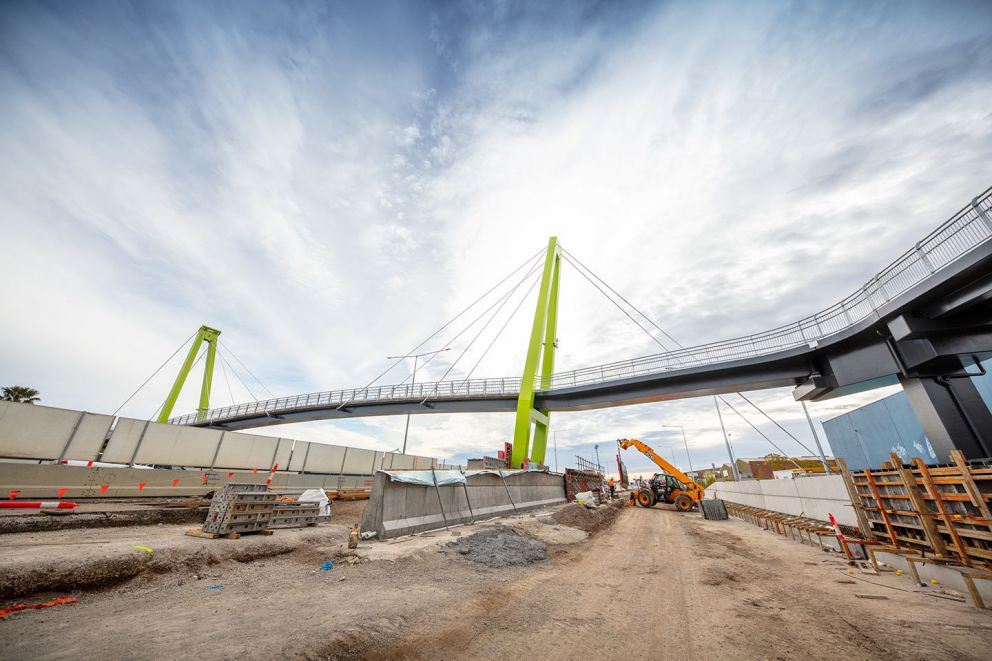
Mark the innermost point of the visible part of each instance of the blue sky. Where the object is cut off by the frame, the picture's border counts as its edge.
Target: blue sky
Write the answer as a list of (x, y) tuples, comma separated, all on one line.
[(328, 182)]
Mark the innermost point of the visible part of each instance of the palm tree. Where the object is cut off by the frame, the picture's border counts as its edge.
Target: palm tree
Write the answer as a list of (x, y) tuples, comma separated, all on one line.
[(20, 394)]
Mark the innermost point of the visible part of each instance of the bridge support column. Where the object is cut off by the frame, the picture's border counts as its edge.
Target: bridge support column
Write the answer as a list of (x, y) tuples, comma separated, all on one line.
[(540, 352), (208, 335), (953, 415)]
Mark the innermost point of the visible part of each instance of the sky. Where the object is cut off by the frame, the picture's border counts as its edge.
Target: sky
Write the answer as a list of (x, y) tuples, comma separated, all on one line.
[(328, 183)]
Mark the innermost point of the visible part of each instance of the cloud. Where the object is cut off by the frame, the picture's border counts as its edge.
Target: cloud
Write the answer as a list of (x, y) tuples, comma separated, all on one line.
[(329, 184)]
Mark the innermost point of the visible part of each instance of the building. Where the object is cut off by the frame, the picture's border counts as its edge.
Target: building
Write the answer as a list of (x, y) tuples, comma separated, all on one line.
[(865, 436), (763, 468)]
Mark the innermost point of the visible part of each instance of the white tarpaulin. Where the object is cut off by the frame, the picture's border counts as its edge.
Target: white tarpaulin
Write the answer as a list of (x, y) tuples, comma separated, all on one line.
[(427, 478)]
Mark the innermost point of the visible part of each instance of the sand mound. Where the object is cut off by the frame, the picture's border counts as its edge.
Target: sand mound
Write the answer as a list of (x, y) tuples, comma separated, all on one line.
[(550, 531), (579, 516)]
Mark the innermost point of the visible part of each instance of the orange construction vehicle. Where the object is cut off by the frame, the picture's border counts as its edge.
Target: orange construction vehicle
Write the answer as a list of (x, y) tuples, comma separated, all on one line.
[(673, 486)]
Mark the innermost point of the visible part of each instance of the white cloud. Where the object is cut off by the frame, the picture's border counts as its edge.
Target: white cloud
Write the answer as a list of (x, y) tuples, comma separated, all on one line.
[(328, 186)]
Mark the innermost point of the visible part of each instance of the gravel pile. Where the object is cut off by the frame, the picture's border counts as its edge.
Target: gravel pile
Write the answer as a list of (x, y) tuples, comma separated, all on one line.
[(500, 546)]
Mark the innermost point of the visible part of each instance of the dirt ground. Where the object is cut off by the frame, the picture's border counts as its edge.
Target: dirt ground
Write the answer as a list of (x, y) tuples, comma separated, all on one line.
[(656, 584)]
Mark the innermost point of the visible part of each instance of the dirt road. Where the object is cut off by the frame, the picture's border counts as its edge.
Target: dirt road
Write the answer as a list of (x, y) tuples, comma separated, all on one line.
[(663, 585), (655, 585)]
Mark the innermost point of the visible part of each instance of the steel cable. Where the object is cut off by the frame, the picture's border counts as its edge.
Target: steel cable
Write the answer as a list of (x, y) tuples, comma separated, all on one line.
[(153, 374)]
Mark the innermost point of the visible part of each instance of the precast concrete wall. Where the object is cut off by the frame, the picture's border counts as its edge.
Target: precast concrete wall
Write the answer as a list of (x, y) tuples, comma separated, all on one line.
[(32, 433), (813, 497), (29, 431), (400, 508), (45, 480)]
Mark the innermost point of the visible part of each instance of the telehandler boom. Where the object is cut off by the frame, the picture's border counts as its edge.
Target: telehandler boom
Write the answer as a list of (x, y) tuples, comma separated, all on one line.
[(673, 487)]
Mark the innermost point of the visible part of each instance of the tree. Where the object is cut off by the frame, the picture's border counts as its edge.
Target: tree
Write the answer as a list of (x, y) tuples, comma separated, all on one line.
[(22, 394)]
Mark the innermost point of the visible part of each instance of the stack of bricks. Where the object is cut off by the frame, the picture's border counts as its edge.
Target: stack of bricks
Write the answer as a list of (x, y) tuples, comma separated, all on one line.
[(240, 508)]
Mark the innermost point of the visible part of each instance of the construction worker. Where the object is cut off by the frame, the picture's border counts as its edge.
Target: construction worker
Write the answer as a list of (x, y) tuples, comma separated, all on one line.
[(613, 488)]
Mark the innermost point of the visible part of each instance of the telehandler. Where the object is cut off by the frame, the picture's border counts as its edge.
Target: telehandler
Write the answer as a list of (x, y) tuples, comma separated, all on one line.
[(673, 486)]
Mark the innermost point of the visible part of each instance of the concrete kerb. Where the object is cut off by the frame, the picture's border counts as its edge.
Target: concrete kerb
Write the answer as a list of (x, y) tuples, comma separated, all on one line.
[(399, 508)]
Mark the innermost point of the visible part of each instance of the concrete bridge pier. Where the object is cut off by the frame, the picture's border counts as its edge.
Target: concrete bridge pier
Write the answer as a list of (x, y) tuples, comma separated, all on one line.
[(953, 415)]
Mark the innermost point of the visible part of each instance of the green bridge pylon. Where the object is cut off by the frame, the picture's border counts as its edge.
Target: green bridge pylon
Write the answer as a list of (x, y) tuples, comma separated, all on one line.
[(208, 335), (540, 350)]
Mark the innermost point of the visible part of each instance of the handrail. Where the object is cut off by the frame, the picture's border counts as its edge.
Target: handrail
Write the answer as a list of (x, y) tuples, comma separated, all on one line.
[(955, 237)]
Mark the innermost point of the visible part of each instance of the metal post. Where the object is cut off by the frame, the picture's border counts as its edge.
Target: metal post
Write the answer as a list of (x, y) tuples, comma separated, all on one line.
[(816, 437), (726, 439), (556, 451), (599, 465), (439, 503), (686, 443), (413, 382)]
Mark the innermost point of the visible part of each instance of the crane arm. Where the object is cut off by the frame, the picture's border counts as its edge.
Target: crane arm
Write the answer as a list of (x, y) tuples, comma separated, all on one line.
[(660, 461)]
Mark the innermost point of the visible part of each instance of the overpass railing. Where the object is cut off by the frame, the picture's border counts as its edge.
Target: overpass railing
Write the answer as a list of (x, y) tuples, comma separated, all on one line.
[(466, 389), (962, 232)]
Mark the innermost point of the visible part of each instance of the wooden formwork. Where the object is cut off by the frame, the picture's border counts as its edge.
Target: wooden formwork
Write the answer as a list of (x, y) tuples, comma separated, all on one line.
[(942, 511)]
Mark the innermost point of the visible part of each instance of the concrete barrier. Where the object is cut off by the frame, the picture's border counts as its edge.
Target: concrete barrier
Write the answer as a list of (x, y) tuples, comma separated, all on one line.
[(400, 508), (45, 480), (813, 497), (29, 431)]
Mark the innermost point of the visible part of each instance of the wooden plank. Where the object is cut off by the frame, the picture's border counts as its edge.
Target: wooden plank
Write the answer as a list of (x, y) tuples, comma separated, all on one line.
[(881, 508), (922, 511), (852, 493), (942, 511), (977, 498), (976, 598), (196, 532)]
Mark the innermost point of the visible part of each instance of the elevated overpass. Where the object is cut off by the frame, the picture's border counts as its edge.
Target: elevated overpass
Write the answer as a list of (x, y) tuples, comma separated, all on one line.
[(923, 321)]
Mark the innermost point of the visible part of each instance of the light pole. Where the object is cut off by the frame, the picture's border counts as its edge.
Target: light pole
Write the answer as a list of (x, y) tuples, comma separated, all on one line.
[(413, 381), (597, 457), (555, 435), (684, 442), (816, 437), (726, 439)]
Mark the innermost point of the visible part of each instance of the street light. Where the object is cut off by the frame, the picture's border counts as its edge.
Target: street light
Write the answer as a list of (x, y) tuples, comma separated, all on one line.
[(597, 457), (555, 435), (684, 442), (413, 381)]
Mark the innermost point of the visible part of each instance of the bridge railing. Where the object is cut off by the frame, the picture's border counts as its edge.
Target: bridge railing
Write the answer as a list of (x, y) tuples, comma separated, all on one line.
[(964, 231), (404, 392)]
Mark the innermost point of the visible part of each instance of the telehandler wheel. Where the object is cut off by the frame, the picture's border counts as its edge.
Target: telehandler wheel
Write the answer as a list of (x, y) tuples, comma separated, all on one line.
[(645, 498), (683, 503)]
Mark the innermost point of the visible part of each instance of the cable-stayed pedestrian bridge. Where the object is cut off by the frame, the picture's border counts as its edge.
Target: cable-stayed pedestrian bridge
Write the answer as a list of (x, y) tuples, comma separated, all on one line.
[(924, 321)]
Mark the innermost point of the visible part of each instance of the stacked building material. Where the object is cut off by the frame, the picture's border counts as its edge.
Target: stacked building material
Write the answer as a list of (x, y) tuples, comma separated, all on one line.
[(349, 494), (294, 515), (942, 511), (240, 508), (797, 528), (579, 481)]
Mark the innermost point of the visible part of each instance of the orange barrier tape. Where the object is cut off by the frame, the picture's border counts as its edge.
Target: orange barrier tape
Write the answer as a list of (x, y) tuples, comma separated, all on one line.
[(48, 604)]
